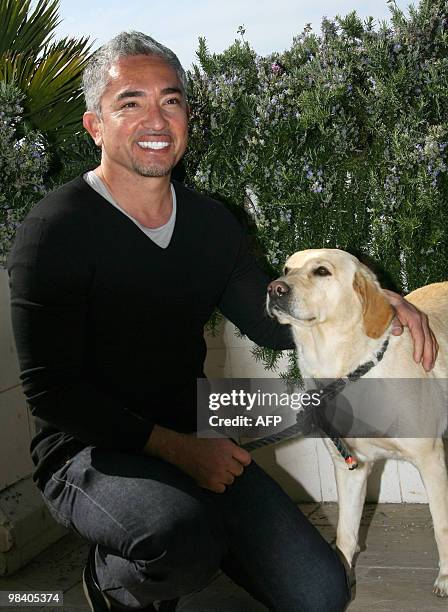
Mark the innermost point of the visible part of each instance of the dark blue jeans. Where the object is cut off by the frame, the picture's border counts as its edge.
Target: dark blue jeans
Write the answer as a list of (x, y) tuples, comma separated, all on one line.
[(160, 536)]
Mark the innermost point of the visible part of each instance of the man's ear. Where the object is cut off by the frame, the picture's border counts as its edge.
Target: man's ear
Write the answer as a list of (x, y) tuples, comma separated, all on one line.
[(377, 312), (92, 124)]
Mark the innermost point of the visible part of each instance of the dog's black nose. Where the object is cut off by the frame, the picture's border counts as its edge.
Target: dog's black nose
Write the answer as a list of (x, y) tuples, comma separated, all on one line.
[(278, 288)]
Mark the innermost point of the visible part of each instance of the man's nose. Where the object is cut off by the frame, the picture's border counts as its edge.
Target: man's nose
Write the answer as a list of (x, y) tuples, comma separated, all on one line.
[(278, 288), (154, 118)]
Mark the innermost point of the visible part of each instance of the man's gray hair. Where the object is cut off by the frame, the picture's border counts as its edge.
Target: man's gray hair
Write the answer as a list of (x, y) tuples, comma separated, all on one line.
[(96, 74)]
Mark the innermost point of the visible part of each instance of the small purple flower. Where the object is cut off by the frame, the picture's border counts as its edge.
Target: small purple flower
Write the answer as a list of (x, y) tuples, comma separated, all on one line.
[(277, 68)]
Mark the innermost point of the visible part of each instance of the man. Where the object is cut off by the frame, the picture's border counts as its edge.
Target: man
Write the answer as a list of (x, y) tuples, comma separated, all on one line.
[(113, 277)]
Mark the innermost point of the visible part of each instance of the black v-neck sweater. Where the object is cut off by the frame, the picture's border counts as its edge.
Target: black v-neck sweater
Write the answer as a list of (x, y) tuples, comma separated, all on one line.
[(109, 326)]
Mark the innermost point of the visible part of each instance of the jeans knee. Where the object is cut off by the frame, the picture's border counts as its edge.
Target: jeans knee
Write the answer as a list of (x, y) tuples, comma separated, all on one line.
[(334, 591), (184, 550), (327, 590)]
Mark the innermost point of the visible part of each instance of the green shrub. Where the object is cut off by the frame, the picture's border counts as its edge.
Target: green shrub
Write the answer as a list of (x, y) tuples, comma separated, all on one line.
[(23, 164), (75, 155), (340, 141)]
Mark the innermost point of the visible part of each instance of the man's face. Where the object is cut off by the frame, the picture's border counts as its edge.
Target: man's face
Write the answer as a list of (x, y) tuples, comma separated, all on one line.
[(143, 127)]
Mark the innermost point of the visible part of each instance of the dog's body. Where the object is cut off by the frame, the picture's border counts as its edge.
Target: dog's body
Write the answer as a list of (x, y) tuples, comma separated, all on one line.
[(340, 318)]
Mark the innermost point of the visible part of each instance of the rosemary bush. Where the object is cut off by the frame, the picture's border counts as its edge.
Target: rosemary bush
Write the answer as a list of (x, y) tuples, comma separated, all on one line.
[(339, 141), (23, 164)]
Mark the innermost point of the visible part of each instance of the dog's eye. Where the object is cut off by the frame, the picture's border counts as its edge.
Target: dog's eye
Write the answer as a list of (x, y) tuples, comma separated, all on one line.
[(322, 271), (285, 271)]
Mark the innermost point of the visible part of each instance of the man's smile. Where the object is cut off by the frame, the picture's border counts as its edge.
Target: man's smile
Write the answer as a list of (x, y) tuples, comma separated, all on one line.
[(155, 145)]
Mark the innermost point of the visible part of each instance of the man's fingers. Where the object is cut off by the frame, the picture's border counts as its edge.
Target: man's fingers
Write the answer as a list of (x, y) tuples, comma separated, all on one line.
[(241, 455), (418, 335), (236, 468), (425, 343), (421, 340), (436, 344), (216, 487), (219, 485), (435, 351), (427, 351), (397, 327), (228, 478), (431, 346)]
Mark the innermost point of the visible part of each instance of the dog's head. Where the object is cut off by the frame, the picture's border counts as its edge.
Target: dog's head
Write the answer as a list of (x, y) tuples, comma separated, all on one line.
[(329, 286)]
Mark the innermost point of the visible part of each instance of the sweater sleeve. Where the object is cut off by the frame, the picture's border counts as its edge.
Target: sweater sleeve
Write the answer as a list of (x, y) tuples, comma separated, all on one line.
[(244, 302), (50, 277)]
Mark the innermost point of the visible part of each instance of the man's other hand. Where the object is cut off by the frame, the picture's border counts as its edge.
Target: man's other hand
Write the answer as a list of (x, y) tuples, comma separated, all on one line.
[(213, 463)]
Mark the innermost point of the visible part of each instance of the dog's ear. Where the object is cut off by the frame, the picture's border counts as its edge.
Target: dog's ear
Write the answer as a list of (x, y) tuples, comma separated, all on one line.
[(377, 312)]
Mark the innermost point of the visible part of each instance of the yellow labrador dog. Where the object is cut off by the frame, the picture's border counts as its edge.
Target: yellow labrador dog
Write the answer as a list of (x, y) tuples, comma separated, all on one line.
[(340, 319)]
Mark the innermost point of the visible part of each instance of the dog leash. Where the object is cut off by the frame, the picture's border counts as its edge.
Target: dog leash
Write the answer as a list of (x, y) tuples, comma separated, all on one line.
[(313, 418)]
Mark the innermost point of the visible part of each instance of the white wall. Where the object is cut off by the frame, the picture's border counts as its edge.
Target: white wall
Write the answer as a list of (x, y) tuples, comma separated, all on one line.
[(15, 423)]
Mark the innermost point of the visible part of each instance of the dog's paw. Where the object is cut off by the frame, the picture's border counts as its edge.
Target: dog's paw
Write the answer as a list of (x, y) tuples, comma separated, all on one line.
[(441, 586)]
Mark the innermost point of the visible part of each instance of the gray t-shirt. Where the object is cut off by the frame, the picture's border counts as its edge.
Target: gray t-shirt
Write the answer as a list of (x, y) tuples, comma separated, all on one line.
[(160, 235)]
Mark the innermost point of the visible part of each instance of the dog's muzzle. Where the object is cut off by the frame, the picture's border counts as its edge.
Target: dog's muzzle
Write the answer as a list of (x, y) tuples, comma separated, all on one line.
[(278, 295), (278, 288)]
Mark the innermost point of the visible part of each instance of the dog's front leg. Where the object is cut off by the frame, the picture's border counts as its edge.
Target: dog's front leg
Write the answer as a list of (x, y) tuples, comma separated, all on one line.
[(351, 485), (433, 471)]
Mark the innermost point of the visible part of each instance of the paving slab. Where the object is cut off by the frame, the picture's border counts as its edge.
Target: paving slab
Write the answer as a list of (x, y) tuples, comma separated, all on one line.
[(396, 590)]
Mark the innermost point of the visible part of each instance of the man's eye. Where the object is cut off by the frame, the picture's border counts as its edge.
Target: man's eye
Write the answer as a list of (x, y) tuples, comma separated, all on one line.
[(173, 101), (129, 105), (322, 271)]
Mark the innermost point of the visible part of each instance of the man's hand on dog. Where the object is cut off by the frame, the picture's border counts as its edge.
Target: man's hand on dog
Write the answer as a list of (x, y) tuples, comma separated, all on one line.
[(213, 463), (407, 315)]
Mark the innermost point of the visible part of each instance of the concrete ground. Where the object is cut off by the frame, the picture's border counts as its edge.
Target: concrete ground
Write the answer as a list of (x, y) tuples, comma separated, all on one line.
[(395, 570)]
